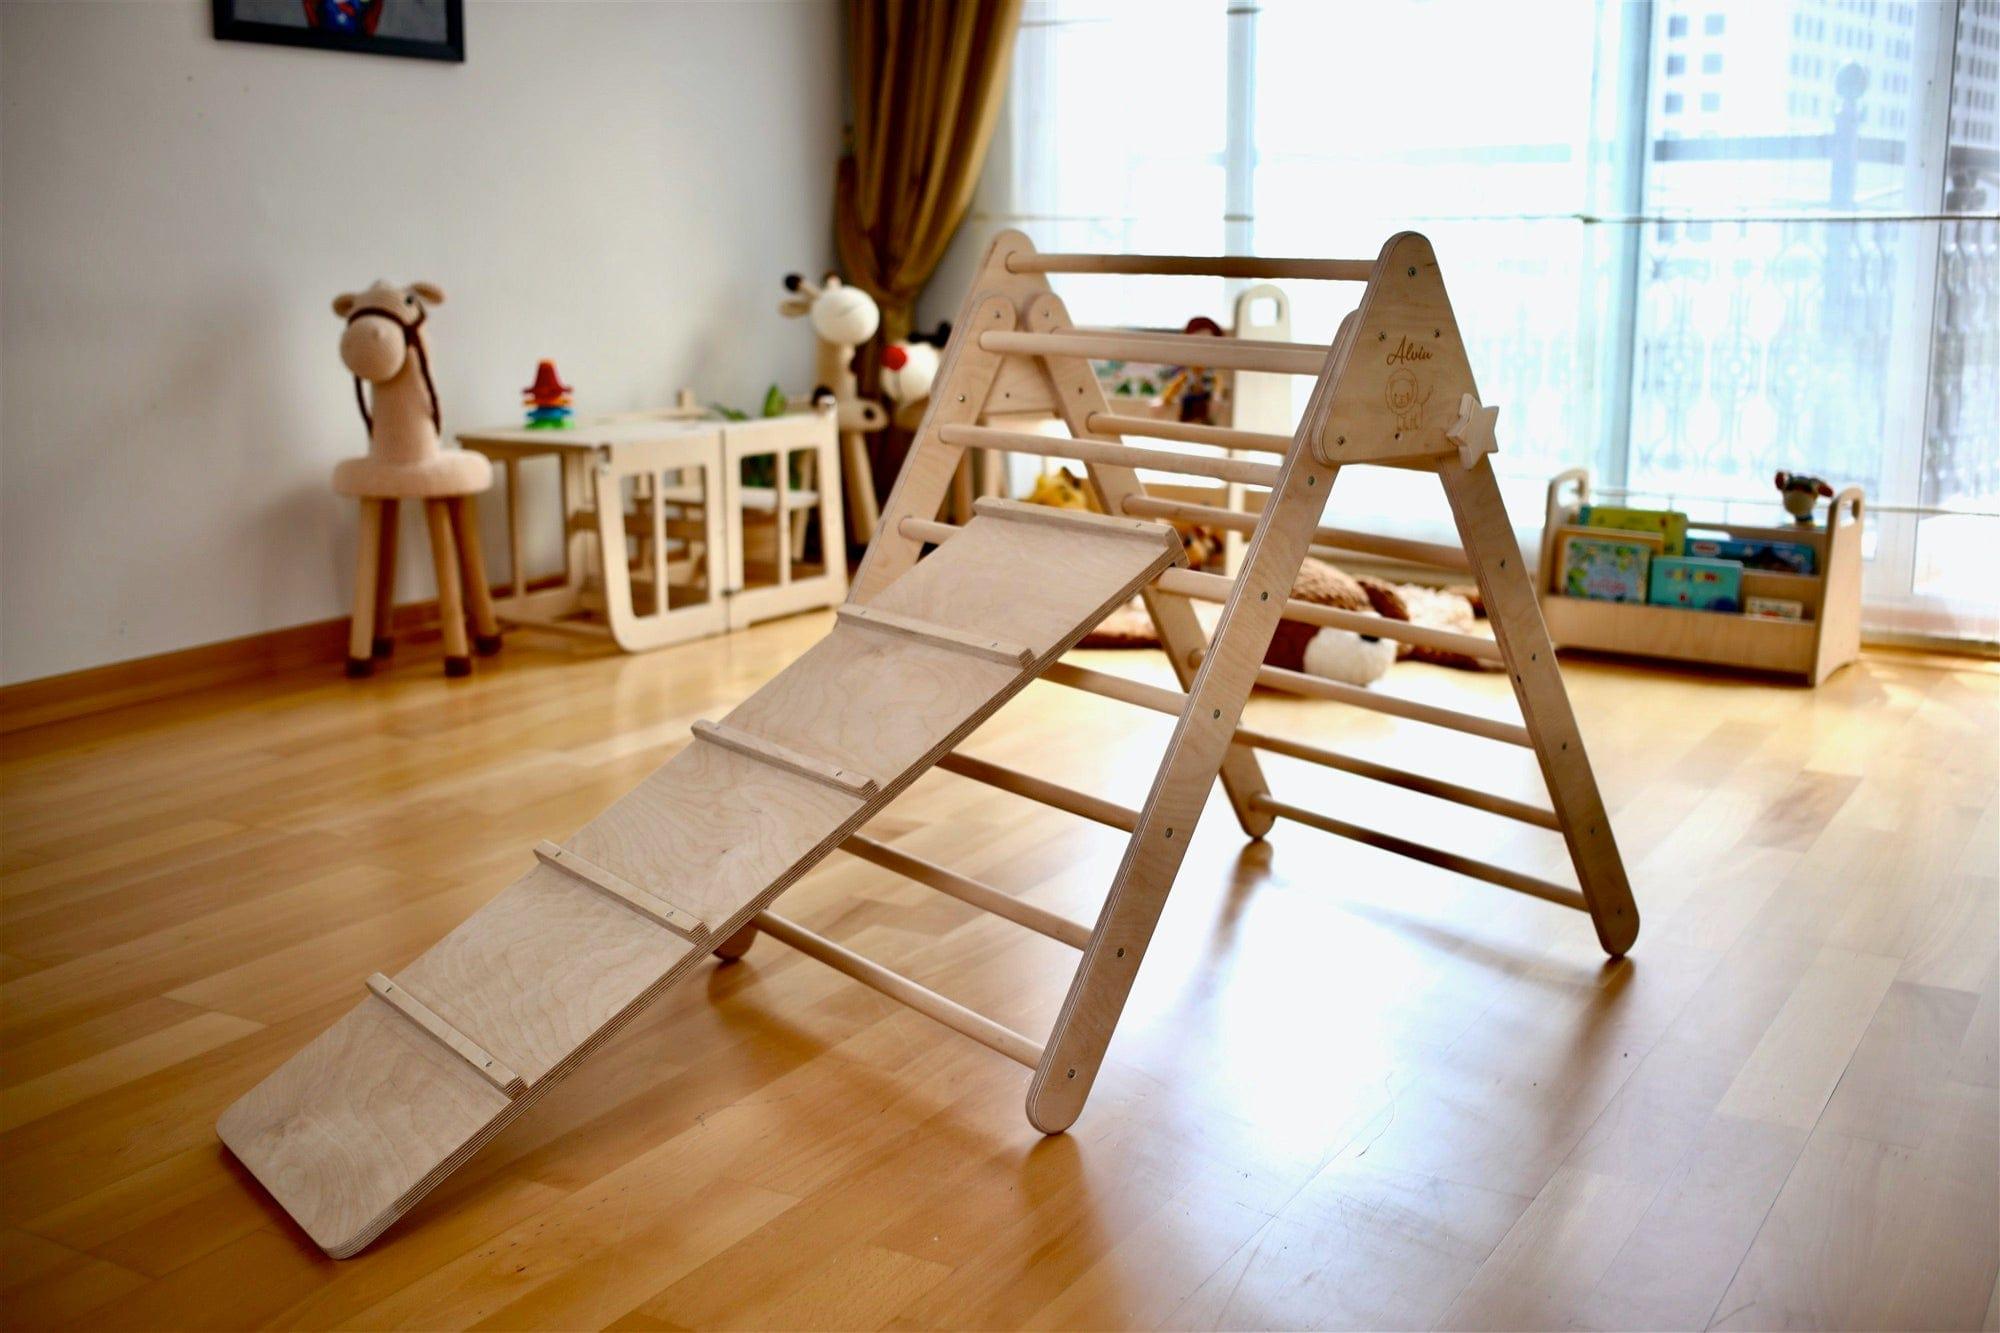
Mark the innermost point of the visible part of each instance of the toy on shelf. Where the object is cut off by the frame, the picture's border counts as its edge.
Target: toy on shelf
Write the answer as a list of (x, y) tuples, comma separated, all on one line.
[(843, 318), (386, 344), (1801, 495), (548, 400)]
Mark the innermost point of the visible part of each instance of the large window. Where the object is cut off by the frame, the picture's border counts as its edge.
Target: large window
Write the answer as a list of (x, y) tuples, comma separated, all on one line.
[(1690, 242)]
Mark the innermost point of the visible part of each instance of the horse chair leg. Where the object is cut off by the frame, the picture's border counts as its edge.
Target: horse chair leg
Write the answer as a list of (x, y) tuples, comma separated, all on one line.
[(385, 586), (451, 600), (367, 555), (478, 590)]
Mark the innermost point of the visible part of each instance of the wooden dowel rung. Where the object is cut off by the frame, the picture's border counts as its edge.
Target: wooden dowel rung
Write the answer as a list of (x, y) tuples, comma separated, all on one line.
[(1173, 702), (1491, 802), (1114, 455), (1041, 789), (1080, 520), (612, 885), (1368, 543), (1298, 682), (434, 1026), (1124, 689), (938, 636), (785, 757), (1196, 266), (1273, 358), (1417, 851), (1216, 588), (903, 990), (1219, 437), (928, 530), (970, 891)]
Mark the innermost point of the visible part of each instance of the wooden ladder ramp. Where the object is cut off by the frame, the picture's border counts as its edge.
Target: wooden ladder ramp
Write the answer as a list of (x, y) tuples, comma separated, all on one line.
[(437, 1059), (943, 625)]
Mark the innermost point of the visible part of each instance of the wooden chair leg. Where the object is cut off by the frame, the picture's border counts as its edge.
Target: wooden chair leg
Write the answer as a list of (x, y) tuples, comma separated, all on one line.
[(478, 590), (385, 585), (451, 599), (367, 555)]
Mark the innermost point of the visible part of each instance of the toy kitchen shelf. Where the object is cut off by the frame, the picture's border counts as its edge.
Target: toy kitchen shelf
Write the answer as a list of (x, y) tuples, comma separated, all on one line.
[(1812, 649)]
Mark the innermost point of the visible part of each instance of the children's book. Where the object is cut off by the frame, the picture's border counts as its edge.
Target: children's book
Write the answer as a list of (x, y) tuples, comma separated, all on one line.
[(1606, 567), (1696, 583), (1671, 524), (1780, 557), (1774, 608)]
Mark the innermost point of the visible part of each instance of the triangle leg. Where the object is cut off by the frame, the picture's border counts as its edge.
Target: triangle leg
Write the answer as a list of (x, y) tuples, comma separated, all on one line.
[(1516, 615)]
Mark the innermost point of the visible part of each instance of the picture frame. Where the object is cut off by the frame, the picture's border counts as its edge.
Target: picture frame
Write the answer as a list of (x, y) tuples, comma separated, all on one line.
[(420, 29)]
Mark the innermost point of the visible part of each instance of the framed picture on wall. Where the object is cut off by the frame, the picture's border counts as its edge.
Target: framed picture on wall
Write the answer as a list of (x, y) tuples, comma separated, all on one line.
[(427, 29)]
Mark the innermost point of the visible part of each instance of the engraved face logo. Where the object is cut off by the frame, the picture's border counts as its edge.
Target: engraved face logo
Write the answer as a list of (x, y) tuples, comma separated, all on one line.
[(1406, 399)]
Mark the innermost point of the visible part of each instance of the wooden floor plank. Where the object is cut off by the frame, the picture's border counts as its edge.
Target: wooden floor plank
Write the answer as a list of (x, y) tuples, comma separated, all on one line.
[(1779, 1111)]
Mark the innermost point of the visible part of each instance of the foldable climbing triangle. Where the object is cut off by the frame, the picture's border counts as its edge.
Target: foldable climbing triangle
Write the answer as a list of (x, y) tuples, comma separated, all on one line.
[(433, 1062)]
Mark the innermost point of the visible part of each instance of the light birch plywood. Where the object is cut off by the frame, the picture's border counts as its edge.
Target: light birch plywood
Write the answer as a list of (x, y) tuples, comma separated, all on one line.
[(350, 1132)]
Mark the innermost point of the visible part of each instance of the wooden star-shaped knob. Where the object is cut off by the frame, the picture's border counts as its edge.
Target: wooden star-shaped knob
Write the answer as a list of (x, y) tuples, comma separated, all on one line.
[(1473, 431)]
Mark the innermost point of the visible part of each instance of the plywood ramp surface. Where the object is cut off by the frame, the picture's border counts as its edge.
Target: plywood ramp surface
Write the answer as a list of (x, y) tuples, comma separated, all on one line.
[(355, 1128)]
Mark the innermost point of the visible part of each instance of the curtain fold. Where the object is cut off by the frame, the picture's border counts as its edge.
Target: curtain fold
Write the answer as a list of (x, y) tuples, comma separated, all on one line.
[(928, 78)]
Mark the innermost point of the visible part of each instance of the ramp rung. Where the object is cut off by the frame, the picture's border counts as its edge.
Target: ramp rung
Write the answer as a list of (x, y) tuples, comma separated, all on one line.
[(1122, 817), (1216, 588), (1110, 455), (970, 891), (1417, 851), (1108, 686), (900, 988), (647, 904), (1187, 432), (1347, 539), (1218, 266), (785, 757), (447, 1036), (941, 636), (928, 530)]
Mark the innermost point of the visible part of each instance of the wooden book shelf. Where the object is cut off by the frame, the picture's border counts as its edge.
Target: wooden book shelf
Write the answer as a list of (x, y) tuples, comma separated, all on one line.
[(1812, 649)]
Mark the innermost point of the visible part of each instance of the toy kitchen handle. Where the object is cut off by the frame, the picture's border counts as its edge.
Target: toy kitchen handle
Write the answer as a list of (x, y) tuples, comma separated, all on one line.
[(1851, 497)]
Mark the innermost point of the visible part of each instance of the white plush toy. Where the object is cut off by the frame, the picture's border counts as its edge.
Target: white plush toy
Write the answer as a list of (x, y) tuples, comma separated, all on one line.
[(909, 368), (1343, 655)]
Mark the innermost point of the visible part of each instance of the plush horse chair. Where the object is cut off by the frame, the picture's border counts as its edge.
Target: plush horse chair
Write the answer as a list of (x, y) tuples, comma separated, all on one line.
[(386, 344), (843, 318)]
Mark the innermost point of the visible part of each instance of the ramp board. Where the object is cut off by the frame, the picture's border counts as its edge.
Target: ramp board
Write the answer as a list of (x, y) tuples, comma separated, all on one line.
[(355, 1128)]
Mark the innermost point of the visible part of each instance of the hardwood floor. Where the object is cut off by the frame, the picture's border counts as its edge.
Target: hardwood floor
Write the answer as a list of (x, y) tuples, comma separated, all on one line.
[(1350, 1090)]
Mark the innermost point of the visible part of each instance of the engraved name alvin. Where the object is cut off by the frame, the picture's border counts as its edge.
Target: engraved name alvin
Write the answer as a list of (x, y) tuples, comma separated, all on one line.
[(1407, 351)]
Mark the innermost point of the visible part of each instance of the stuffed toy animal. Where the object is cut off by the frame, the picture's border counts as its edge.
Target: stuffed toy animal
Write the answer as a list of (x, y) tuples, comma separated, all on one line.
[(1352, 659), (843, 318), (1802, 495), (908, 370)]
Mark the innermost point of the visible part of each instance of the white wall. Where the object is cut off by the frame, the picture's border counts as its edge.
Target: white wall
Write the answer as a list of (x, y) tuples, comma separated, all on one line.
[(617, 186)]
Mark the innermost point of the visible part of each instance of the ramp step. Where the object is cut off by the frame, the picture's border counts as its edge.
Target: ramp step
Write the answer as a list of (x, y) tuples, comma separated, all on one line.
[(649, 905), (943, 636), (783, 756), (447, 1036)]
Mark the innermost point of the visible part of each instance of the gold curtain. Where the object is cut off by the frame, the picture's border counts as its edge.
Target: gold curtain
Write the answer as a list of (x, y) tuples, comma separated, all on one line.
[(928, 77)]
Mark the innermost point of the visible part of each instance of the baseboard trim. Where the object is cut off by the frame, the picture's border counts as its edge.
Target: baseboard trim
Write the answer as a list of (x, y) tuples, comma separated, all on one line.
[(35, 703)]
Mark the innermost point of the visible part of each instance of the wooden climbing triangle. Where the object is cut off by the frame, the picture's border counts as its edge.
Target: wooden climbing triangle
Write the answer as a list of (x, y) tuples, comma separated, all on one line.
[(943, 625)]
